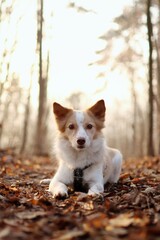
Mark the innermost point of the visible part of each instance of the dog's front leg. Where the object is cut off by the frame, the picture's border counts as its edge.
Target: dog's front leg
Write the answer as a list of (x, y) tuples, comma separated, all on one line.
[(95, 181), (58, 185)]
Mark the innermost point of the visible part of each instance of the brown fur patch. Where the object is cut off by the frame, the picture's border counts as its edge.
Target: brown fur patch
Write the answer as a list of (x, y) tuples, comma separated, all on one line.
[(61, 115), (97, 112), (99, 123)]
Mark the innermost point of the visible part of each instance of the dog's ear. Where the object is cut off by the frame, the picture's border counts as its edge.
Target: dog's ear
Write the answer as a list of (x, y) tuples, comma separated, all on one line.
[(60, 111), (98, 110)]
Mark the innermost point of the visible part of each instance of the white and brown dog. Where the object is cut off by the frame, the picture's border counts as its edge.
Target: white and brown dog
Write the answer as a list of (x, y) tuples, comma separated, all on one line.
[(81, 151)]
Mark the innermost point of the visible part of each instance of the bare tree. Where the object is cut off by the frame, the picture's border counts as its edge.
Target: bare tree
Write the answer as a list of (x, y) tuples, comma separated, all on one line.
[(43, 78), (130, 58), (150, 79), (26, 120), (157, 47)]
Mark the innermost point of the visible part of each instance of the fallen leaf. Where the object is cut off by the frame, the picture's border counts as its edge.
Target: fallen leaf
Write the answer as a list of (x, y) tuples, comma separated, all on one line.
[(30, 215), (68, 235), (5, 232), (122, 220), (88, 206)]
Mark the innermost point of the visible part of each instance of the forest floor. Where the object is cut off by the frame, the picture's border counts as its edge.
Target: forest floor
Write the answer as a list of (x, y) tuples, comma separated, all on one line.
[(129, 209)]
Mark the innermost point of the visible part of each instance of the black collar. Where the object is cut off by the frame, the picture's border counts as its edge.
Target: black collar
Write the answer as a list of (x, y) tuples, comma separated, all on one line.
[(78, 178)]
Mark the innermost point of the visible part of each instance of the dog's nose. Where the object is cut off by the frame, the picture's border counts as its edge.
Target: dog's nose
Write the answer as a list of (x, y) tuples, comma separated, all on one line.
[(81, 141)]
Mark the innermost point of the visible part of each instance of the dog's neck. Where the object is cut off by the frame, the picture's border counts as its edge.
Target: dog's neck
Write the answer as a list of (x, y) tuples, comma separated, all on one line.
[(79, 159)]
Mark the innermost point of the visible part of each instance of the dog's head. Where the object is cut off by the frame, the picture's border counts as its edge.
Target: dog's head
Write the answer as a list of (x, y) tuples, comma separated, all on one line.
[(80, 127)]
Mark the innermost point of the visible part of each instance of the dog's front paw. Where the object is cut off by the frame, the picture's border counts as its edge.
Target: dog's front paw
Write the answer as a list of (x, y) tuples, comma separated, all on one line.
[(60, 194), (59, 190), (96, 189), (93, 193)]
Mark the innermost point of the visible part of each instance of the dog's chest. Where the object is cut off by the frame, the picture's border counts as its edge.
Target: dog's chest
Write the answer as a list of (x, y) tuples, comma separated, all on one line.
[(81, 159)]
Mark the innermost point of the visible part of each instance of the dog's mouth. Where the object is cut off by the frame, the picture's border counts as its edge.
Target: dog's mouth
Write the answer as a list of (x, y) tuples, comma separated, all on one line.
[(80, 147)]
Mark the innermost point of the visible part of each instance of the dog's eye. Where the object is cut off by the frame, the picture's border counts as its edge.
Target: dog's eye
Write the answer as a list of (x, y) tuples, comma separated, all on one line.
[(89, 126), (71, 126)]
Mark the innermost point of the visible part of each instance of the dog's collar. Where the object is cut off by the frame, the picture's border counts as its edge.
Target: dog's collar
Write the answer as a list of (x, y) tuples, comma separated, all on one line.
[(87, 166), (78, 177)]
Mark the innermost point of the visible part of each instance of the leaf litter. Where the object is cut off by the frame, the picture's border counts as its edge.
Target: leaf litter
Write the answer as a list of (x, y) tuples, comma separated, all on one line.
[(129, 209)]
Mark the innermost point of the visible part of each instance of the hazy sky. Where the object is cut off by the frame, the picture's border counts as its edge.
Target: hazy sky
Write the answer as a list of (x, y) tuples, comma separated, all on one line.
[(72, 38), (76, 38)]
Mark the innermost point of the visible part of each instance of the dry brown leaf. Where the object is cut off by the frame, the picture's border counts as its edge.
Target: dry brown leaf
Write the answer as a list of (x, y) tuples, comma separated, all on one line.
[(88, 205), (129, 209), (122, 220), (30, 215)]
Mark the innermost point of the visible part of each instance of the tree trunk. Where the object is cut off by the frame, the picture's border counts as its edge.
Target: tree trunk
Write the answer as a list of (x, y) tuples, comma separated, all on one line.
[(150, 80), (7, 103), (41, 125), (26, 120), (134, 123), (157, 48), (158, 74)]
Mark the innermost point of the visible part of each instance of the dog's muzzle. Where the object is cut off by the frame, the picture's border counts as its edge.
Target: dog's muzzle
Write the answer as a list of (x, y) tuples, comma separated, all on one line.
[(81, 142)]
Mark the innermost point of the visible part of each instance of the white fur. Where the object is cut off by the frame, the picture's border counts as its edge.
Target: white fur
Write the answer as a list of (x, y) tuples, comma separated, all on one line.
[(106, 162), (81, 132)]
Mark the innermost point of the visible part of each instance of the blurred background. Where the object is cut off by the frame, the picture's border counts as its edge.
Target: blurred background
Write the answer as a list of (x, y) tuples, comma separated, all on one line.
[(77, 52)]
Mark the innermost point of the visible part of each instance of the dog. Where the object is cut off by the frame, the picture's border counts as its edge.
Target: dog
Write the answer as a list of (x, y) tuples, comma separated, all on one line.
[(82, 153)]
